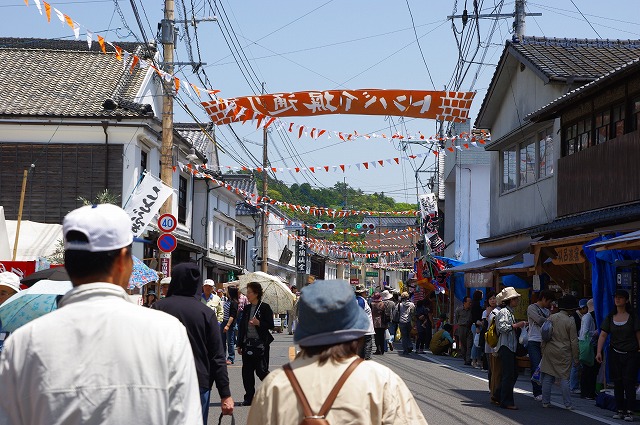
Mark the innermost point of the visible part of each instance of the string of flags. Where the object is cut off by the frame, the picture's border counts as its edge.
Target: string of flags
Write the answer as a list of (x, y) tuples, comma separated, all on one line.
[(258, 201), (340, 167), (132, 61), (341, 245)]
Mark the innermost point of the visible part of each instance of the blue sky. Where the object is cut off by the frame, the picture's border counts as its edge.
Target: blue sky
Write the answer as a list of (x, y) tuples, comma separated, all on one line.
[(317, 45)]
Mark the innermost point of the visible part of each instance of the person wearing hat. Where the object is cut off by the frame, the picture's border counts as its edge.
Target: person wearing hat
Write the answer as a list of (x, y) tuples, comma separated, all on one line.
[(331, 328), (623, 326), (9, 285), (204, 334), (367, 348), (506, 326), (211, 300), (99, 357), (587, 332), (150, 299), (561, 352), (495, 368), (389, 304), (405, 312), (164, 286)]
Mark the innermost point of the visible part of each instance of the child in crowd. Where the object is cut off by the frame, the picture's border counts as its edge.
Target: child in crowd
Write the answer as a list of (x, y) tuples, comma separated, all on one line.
[(476, 352)]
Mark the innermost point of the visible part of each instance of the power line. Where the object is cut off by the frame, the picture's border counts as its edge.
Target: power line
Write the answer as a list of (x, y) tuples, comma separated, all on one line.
[(413, 24), (585, 18)]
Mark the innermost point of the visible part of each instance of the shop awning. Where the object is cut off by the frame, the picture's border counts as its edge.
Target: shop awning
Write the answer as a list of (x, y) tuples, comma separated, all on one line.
[(488, 263), (526, 266), (629, 241)]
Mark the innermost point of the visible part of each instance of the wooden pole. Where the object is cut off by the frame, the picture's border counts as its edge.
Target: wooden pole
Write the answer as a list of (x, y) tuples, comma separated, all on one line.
[(166, 150), (265, 220), (22, 193)]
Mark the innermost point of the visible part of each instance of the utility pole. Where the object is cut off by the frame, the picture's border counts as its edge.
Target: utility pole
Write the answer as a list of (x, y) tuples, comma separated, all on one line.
[(265, 234), (166, 151), (519, 15)]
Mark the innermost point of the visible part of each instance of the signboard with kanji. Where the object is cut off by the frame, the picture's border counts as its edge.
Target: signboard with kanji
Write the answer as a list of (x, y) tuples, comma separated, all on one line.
[(569, 255), (372, 257)]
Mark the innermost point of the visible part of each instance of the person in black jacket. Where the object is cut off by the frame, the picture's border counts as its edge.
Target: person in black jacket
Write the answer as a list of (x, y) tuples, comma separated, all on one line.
[(203, 332), (254, 339)]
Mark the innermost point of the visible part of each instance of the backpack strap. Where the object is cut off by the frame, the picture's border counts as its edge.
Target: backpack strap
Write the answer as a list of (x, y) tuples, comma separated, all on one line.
[(330, 398)]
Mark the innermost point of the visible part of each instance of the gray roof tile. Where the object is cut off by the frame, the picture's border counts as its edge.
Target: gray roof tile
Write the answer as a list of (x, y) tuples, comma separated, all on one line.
[(65, 78)]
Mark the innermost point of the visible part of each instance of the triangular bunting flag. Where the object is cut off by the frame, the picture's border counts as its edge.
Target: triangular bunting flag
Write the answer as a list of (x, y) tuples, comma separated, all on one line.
[(342, 167), (101, 42), (47, 9), (326, 168), (397, 160)]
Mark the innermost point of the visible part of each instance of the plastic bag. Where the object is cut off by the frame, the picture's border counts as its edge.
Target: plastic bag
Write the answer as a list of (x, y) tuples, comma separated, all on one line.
[(536, 376), (524, 337)]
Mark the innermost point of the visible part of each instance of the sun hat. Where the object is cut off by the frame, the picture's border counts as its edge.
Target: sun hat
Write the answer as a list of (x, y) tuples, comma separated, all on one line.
[(582, 303), (165, 281), (329, 314), (568, 302), (107, 227), (359, 288), (500, 297), (208, 282), (386, 295), (509, 293), (10, 280)]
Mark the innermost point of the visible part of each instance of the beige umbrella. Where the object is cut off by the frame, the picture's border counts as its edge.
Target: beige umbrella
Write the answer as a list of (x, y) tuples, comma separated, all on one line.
[(274, 291)]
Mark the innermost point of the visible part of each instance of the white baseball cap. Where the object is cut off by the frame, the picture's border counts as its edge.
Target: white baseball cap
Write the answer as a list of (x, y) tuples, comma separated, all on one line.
[(10, 280), (106, 226), (209, 282)]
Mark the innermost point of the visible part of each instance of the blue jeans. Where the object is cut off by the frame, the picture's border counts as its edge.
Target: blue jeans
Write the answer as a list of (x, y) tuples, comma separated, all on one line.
[(393, 327), (231, 343), (205, 395), (535, 356), (547, 382), (405, 336), (574, 378)]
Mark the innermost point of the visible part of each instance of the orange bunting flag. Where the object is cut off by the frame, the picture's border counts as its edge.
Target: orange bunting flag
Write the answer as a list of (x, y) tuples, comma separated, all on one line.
[(195, 88), (481, 141), (176, 82), (326, 168), (69, 21), (397, 160), (381, 162), (321, 132), (118, 52), (271, 120), (300, 131), (435, 153), (450, 149), (134, 62), (342, 167), (274, 169), (174, 168), (26, 2), (47, 8), (466, 145), (366, 165), (101, 42), (259, 170), (297, 169), (312, 169)]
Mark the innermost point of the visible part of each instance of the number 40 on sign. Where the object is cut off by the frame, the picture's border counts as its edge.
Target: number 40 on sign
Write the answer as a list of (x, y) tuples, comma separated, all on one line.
[(167, 223)]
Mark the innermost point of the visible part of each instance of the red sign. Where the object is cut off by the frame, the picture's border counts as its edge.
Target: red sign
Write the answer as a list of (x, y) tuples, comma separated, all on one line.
[(21, 268), (167, 223), (354, 281), (167, 242)]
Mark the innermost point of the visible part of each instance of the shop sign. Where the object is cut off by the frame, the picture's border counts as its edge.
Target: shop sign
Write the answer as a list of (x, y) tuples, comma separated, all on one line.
[(371, 274), (301, 253), (569, 255), (21, 268), (354, 281), (478, 279)]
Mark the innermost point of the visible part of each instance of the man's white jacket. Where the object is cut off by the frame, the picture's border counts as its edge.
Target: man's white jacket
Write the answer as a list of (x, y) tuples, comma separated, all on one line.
[(99, 359)]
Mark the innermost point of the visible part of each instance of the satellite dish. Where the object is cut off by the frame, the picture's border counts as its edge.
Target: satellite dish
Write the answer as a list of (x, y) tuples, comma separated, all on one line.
[(228, 246)]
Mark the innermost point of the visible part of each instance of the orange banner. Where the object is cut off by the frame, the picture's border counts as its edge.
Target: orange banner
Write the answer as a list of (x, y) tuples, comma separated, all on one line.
[(441, 105)]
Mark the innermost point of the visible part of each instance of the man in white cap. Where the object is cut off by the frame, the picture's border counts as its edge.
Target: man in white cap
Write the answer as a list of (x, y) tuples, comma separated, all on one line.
[(9, 285), (330, 330), (210, 298), (99, 357)]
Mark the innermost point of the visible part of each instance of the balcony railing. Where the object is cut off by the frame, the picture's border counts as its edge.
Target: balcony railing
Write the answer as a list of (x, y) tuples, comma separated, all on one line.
[(600, 176)]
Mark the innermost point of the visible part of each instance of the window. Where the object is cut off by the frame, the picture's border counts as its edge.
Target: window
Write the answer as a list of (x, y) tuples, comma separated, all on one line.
[(182, 200), (528, 162), (509, 169), (545, 153), (635, 107), (603, 120), (143, 162), (577, 137), (618, 120)]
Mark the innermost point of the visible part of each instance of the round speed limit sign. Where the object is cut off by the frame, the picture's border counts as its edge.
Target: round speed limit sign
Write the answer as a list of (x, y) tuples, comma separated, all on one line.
[(167, 223)]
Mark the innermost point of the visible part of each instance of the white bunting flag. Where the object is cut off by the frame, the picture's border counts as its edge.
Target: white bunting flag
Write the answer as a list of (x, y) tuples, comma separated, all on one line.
[(39, 6), (89, 38), (60, 16)]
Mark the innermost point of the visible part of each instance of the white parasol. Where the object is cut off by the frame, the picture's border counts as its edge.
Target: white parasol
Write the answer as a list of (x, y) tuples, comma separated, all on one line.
[(274, 291)]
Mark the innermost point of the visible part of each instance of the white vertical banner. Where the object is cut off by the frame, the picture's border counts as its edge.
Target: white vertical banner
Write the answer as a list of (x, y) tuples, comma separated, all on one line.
[(428, 205), (145, 202)]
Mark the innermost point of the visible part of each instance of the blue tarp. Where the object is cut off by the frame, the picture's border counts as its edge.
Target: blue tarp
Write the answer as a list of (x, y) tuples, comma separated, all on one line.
[(603, 275)]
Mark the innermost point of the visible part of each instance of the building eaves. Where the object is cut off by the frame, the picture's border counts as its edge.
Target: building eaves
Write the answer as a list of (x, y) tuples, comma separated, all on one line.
[(192, 133), (63, 78), (552, 109)]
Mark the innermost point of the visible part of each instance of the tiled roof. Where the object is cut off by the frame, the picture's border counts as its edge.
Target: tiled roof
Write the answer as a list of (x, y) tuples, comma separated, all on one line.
[(542, 113), (565, 59), (244, 182), (193, 134), (65, 78), (591, 219), (390, 221)]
